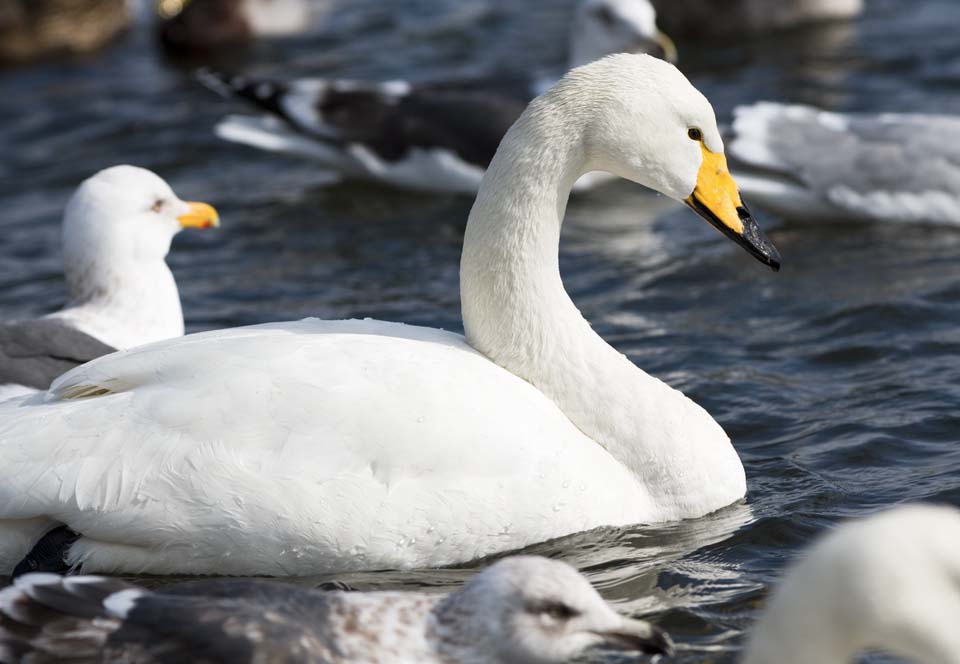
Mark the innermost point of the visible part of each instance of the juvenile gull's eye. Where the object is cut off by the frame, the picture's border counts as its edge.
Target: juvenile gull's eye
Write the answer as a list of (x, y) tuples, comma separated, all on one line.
[(695, 134), (556, 610)]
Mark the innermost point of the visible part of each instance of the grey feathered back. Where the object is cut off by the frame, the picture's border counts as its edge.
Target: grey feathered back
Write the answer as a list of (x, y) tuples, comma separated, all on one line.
[(35, 352)]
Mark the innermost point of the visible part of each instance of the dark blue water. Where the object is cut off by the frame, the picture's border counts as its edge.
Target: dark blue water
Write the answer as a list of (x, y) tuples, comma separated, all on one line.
[(838, 379)]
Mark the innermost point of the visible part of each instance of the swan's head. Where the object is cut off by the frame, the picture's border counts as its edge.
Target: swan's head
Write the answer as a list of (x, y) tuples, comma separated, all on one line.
[(645, 122), (890, 582), (602, 27), (126, 215), (532, 610)]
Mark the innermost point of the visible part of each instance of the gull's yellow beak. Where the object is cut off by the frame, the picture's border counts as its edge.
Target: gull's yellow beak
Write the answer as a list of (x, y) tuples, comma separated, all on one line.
[(167, 9), (717, 199), (200, 215), (659, 45), (666, 44)]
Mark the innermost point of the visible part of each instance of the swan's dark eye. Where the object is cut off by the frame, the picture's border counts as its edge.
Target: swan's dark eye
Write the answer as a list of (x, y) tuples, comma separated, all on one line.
[(157, 205), (695, 134), (556, 610)]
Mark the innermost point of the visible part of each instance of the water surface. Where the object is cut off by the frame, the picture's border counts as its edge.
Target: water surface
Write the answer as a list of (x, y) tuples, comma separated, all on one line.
[(837, 379)]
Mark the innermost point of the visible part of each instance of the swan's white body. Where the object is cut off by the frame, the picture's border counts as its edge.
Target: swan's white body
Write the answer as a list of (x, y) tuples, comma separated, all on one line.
[(889, 582), (325, 445), (312, 446)]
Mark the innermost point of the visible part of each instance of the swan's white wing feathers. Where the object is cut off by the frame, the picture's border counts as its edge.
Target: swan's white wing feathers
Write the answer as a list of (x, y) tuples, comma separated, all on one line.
[(296, 437)]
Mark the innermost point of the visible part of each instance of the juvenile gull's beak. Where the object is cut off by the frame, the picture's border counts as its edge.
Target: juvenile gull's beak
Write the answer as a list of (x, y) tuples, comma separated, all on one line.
[(638, 636), (200, 215), (717, 199)]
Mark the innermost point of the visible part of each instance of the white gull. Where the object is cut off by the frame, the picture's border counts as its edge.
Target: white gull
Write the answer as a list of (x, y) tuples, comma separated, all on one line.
[(117, 230), (889, 582)]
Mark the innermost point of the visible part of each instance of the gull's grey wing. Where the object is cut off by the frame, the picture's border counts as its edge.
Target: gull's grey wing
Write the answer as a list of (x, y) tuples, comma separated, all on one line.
[(35, 352), (892, 166)]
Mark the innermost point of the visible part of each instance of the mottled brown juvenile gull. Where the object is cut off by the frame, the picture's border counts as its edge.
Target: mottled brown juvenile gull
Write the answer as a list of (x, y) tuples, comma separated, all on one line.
[(117, 230), (805, 163), (521, 610)]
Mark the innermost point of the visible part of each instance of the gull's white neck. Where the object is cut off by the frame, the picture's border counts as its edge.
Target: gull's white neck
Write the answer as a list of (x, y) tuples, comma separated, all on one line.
[(122, 302), (516, 311)]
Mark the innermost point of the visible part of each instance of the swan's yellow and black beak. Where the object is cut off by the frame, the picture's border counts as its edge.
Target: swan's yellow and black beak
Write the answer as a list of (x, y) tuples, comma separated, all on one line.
[(717, 199)]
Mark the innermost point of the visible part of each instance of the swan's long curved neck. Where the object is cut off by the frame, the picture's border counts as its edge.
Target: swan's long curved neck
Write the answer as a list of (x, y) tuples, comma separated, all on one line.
[(516, 311)]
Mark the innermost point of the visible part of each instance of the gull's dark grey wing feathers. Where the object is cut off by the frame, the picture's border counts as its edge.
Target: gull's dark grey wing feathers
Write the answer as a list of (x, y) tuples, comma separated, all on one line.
[(389, 118), (97, 619), (35, 352)]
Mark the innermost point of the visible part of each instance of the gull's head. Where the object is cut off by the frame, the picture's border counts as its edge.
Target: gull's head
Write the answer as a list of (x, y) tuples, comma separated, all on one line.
[(532, 610), (645, 122), (602, 27), (889, 582), (125, 213)]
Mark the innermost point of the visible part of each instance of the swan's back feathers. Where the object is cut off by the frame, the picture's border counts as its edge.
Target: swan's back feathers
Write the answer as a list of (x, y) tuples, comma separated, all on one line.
[(802, 161), (275, 435), (35, 352)]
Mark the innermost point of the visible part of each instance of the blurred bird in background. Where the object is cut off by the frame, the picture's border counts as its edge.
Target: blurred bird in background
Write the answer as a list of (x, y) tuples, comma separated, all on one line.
[(734, 18), (191, 26), (32, 29), (432, 136)]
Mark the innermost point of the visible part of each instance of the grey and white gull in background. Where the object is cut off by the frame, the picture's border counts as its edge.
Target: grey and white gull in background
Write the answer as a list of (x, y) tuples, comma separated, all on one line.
[(521, 610), (889, 582), (431, 136), (734, 18), (117, 229), (802, 162)]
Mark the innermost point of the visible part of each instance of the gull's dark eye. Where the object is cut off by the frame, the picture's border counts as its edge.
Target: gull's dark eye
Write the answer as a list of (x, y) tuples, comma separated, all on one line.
[(605, 15), (556, 610), (695, 134), (157, 205)]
